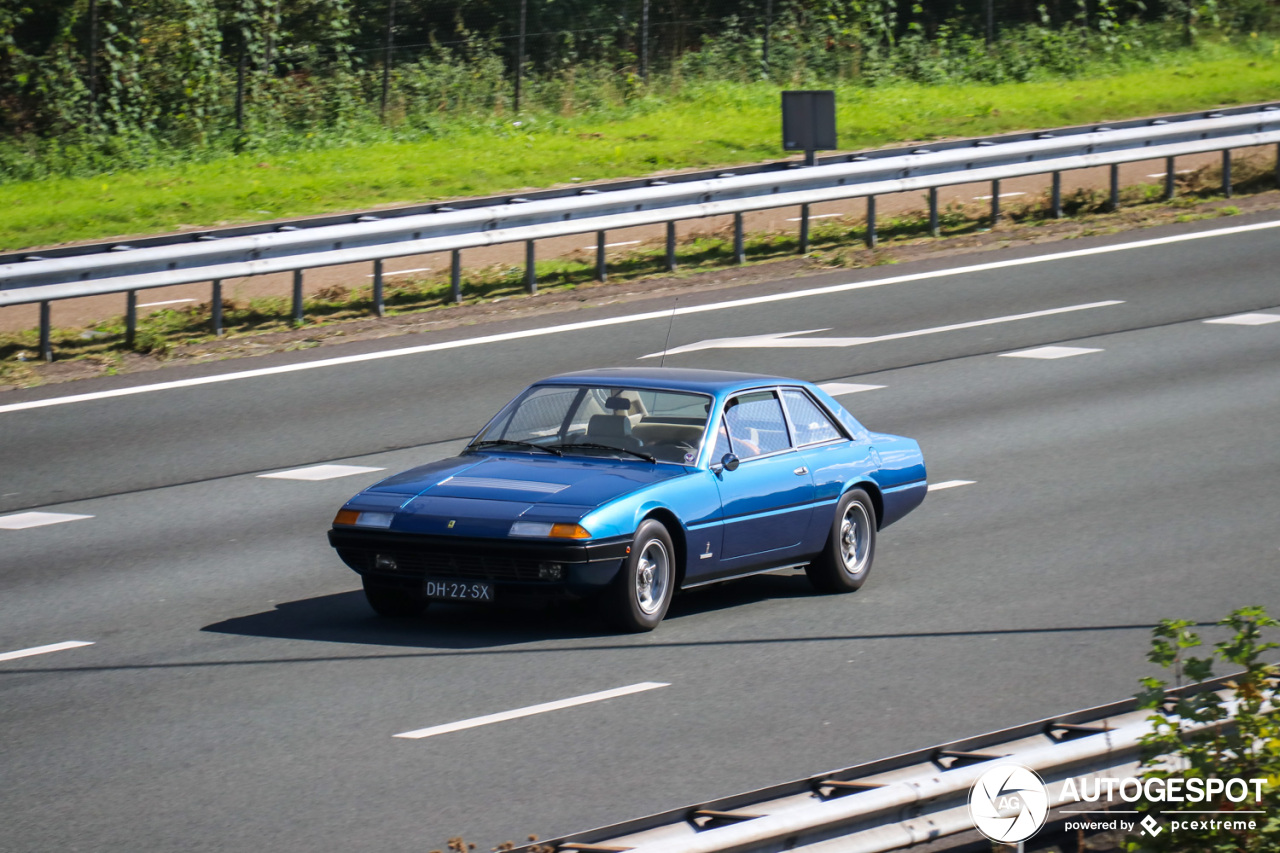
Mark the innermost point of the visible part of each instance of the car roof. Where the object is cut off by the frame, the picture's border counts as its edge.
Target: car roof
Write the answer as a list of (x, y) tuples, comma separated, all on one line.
[(713, 382)]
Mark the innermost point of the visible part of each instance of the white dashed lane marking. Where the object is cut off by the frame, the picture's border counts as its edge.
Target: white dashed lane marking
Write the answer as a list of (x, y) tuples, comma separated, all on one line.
[(23, 520), (320, 472), (1049, 352), (815, 216), (533, 709), (43, 650), (1247, 320), (835, 389), (949, 484)]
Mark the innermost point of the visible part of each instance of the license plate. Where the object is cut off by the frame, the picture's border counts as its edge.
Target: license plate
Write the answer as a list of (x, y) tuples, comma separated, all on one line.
[(457, 590)]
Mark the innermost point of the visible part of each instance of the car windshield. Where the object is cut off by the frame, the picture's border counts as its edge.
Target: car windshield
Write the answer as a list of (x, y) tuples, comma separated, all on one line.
[(664, 426)]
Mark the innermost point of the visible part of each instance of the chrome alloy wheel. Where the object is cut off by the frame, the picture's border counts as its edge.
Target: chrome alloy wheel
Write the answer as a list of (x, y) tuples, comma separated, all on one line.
[(855, 538), (653, 575)]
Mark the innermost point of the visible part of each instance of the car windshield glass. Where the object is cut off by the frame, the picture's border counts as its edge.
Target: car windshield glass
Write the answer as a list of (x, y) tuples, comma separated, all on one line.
[(637, 422)]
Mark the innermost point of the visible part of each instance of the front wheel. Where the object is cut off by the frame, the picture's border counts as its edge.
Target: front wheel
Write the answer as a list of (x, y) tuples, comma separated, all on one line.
[(395, 602), (641, 593), (845, 562)]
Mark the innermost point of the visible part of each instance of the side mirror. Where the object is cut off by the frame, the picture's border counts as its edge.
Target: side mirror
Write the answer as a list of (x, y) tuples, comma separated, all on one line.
[(730, 462)]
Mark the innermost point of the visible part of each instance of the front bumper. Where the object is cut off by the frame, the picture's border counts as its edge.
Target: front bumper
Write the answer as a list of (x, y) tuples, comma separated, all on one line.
[(516, 568)]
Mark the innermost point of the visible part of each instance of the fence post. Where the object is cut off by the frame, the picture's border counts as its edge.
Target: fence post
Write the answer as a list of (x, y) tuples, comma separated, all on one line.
[(387, 51), (671, 243), (131, 318), (297, 298), (216, 308), (739, 251), (455, 275), (1226, 173), (995, 202), (1055, 197), (530, 271), (804, 228), (1169, 175), (644, 42), (46, 333), (524, 4), (1114, 201), (871, 222), (934, 230), (379, 307)]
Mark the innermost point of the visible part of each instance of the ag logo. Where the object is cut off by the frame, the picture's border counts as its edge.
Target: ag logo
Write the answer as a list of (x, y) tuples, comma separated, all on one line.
[(1009, 803)]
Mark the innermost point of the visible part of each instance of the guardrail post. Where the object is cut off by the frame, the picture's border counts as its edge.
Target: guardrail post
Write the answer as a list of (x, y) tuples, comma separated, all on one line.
[(1278, 164), (379, 307), (530, 271), (934, 230), (602, 270), (215, 307), (871, 222), (804, 228), (297, 298), (671, 242), (995, 202), (1055, 196), (1114, 201), (739, 252), (1169, 176), (1226, 173), (130, 318), (46, 343), (455, 275)]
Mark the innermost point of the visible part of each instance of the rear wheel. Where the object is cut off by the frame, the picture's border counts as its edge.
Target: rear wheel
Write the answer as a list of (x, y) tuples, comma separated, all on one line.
[(396, 602), (641, 593), (845, 562)]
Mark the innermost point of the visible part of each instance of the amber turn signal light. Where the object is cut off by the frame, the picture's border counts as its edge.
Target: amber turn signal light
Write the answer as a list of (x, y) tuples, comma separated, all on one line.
[(346, 516), (569, 531)]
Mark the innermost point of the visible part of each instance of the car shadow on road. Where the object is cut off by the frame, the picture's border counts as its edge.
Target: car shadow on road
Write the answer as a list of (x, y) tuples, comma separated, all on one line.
[(345, 617)]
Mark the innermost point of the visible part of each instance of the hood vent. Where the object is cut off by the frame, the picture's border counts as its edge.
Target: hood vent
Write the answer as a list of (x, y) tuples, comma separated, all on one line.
[(510, 485)]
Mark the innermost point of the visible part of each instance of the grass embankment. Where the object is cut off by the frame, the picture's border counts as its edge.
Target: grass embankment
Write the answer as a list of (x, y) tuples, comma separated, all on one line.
[(706, 125)]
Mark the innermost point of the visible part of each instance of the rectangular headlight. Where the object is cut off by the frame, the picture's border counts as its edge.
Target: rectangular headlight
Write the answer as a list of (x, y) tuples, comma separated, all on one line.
[(375, 519), (531, 528)]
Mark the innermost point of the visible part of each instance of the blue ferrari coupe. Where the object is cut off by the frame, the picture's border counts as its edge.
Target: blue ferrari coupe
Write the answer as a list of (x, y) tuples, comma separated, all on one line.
[(626, 485)]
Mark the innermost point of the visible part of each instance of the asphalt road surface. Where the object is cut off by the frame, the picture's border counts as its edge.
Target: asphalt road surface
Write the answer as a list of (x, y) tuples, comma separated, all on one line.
[(234, 693)]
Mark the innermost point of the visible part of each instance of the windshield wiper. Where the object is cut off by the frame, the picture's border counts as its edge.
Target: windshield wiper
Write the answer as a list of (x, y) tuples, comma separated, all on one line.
[(591, 446), (514, 443)]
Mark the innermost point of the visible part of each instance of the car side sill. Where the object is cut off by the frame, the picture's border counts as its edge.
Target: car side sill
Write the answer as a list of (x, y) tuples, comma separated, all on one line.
[(762, 571)]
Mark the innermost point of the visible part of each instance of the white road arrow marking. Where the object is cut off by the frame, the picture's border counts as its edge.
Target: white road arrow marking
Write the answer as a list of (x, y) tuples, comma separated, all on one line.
[(789, 339)]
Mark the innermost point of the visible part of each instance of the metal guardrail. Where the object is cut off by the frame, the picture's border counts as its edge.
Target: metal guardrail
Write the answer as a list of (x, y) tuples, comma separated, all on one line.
[(888, 804), (372, 238)]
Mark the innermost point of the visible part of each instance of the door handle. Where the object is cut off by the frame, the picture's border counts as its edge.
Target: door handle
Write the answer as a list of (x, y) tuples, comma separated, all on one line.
[(801, 471)]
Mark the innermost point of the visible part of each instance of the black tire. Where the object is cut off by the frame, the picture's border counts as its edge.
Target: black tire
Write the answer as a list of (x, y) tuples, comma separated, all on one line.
[(641, 593), (846, 560), (391, 601)]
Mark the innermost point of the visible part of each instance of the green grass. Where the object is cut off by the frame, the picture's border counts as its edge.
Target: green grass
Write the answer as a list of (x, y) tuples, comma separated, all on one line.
[(710, 125)]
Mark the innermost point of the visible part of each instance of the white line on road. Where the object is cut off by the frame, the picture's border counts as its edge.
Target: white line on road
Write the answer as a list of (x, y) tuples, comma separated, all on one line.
[(1049, 352), (1002, 195), (386, 273), (789, 340), (533, 709), (320, 472), (166, 302), (949, 484), (43, 650), (623, 243), (836, 389), (1247, 320), (23, 520), (1178, 172), (664, 315), (815, 216)]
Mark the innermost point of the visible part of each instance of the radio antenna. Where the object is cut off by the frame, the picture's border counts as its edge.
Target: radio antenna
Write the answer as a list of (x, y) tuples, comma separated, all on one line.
[(671, 322)]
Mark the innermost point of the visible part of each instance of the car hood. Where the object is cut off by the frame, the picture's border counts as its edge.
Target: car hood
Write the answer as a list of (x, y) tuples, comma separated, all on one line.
[(480, 495)]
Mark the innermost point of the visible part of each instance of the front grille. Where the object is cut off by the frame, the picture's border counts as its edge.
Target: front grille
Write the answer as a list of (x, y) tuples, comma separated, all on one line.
[(493, 567)]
